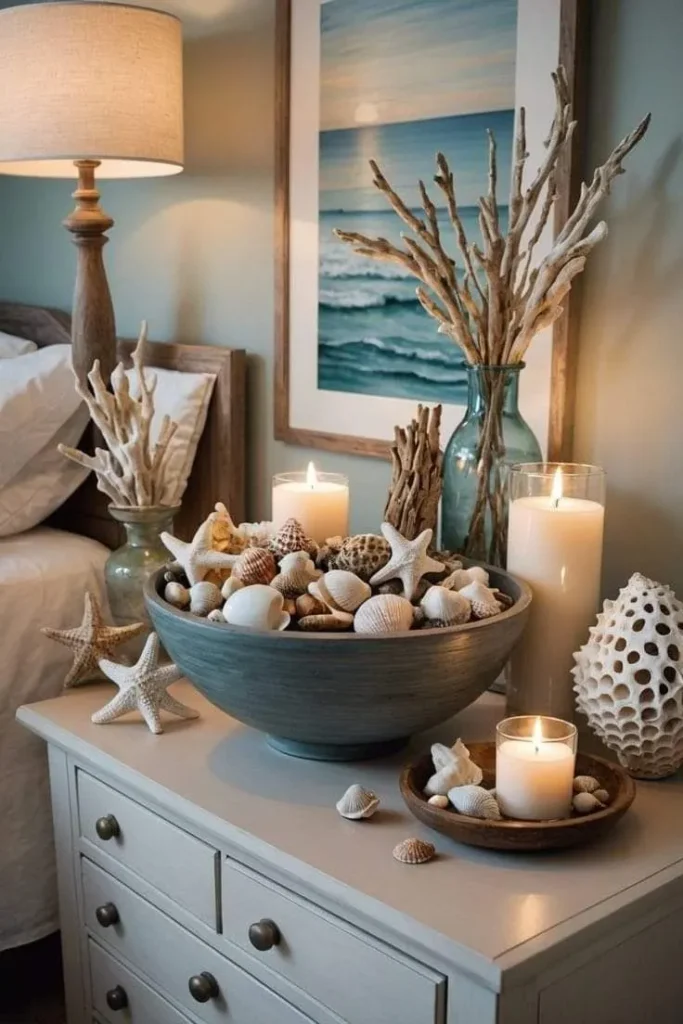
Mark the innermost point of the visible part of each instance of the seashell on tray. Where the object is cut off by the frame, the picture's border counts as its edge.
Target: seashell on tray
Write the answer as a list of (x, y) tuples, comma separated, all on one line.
[(256, 607), (384, 613), (475, 801), (357, 803)]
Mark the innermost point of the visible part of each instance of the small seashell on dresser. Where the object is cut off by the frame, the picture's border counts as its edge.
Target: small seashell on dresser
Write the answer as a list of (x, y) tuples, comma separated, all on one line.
[(586, 803), (204, 597), (216, 616), (292, 537), (297, 570), (385, 613), (256, 607), (460, 578), (483, 601), (231, 585), (363, 555), (357, 803), (255, 565), (585, 784), (414, 851), (328, 622), (438, 800), (177, 595), (475, 801), (445, 607), (342, 590)]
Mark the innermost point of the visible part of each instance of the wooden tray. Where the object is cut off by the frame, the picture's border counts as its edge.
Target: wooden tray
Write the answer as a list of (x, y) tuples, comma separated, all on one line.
[(510, 834)]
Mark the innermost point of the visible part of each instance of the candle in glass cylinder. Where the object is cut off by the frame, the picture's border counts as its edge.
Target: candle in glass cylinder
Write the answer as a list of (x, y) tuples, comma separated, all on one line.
[(535, 767), (319, 501), (554, 543)]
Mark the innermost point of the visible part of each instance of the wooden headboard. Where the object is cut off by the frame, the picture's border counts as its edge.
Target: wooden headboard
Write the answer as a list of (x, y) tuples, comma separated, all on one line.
[(219, 466)]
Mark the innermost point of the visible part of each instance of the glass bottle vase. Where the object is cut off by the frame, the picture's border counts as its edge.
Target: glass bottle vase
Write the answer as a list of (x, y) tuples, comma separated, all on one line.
[(128, 567), (491, 437)]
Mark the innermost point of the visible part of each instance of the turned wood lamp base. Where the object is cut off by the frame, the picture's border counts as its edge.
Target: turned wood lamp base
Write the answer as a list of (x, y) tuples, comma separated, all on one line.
[(93, 330)]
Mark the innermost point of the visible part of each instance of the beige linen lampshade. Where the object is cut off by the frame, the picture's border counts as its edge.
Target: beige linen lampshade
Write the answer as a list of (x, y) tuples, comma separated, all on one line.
[(94, 81)]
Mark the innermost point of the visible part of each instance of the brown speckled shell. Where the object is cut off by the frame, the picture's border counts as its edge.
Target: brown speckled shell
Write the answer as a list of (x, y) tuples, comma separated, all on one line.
[(328, 552), (291, 537), (255, 565), (364, 555)]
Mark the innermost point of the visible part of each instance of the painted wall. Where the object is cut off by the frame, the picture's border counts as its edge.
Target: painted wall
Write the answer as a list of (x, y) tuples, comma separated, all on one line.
[(193, 255)]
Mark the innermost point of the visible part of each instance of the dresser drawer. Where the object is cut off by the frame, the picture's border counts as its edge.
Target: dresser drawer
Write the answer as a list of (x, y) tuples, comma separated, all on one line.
[(143, 1005), (169, 956), (173, 861), (352, 974)]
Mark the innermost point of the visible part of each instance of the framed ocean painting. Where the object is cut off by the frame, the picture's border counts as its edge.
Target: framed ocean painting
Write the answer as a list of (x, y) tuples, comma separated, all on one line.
[(398, 81)]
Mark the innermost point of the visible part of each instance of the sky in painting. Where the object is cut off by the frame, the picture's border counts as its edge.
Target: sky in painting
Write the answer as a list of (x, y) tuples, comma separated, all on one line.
[(371, 75)]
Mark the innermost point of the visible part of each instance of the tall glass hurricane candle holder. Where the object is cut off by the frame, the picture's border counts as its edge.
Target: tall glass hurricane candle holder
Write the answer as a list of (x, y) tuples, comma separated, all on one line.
[(535, 760), (319, 501), (554, 543)]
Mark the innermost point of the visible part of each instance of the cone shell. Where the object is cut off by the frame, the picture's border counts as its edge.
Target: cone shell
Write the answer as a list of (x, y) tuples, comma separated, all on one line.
[(292, 537), (460, 578), (255, 565), (297, 570), (628, 679), (177, 595), (342, 590), (357, 803), (414, 851), (385, 613), (363, 555), (445, 607), (483, 601), (204, 597), (475, 801)]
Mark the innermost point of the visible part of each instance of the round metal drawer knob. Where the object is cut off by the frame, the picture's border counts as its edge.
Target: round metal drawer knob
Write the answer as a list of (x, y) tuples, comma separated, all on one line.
[(117, 998), (264, 935), (107, 915), (203, 987), (107, 827)]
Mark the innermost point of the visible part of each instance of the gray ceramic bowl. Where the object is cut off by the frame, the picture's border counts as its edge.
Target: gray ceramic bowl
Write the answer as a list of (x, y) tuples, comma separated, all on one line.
[(340, 696)]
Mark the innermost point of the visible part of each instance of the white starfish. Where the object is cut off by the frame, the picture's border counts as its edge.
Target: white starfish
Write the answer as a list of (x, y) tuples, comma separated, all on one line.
[(142, 686), (409, 560), (198, 557)]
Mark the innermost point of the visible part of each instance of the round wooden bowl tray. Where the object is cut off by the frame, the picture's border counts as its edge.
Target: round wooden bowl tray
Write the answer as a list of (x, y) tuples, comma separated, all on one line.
[(509, 834)]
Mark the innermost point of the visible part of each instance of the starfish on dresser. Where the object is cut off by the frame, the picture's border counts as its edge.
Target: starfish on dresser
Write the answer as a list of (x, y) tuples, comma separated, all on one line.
[(409, 560), (92, 640), (198, 556), (143, 686)]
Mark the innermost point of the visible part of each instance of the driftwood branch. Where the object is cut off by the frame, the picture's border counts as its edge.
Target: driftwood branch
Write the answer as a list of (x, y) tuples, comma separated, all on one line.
[(415, 491)]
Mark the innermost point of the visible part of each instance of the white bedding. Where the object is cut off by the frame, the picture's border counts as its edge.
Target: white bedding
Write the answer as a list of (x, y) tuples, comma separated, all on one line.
[(43, 576)]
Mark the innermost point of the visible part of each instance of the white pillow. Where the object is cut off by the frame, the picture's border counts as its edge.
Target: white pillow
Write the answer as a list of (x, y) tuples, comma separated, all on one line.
[(10, 346), (38, 408)]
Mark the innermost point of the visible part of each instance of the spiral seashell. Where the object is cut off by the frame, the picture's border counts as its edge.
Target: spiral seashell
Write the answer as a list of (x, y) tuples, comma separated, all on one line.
[(177, 595), (586, 803), (309, 605), (342, 590), (445, 607), (414, 851), (297, 570), (475, 802), (231, 585), (357, 803), (461, 578), (439, 800), (484, 604), (385, 613), (328, 622), (363, 555), (585, 784), (216, 616), (255, 565), (204, 597), (292, 537)]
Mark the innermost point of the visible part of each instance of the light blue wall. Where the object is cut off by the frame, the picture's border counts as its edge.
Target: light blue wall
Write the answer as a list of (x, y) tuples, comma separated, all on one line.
[(193, 255)]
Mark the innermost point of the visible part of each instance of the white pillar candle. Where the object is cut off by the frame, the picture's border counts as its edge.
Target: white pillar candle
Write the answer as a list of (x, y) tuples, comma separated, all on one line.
[(319, 501), (534, 775), (555, 544)]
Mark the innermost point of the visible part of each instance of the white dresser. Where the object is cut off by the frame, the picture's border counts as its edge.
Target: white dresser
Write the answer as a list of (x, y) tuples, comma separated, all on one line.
[(206, 878)]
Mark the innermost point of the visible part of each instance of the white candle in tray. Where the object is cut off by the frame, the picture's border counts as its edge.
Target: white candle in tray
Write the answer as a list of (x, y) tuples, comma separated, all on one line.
[(319, 501), (555, 544), (535, 767)]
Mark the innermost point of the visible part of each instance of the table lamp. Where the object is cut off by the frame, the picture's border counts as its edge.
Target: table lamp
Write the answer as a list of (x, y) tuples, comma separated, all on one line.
[(88, 87)]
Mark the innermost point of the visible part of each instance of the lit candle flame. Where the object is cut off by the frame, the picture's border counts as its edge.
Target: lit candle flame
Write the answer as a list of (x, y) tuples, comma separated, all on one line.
[(537, 735), (556, 492), (311, 476)]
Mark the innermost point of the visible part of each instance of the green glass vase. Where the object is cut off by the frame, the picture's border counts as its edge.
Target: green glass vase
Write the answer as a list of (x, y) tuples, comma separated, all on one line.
[(491, 437), (128, 567)]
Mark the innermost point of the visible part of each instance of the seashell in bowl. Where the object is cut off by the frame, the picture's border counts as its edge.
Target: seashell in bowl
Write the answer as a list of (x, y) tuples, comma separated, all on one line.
[(327, 622), (443, 607), (461, 578), (255, 565), (483, 600), (357, 803), (342, 590), (363, 555), (297, 570), (230, 586), (326, 557), (384, 613), (292, 537), (475, 801), (176, 594), (585, 784), (257, 607), (414, 851), (309, 605), (204, 597)]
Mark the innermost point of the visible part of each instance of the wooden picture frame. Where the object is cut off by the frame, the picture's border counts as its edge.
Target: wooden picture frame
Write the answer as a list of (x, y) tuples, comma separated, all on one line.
[(571, 53)]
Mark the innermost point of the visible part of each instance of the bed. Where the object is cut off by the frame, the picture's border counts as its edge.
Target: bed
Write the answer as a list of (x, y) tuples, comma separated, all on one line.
[(44, 573)]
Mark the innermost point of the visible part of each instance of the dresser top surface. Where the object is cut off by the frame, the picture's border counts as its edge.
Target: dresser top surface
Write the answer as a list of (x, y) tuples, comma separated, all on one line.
[(501, 907)]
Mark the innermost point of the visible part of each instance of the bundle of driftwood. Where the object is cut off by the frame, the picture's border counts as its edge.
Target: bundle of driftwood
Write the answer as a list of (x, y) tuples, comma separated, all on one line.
[(415, 491), (494, 296)]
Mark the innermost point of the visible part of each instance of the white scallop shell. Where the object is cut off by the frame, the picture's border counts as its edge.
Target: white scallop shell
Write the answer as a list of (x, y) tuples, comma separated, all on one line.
[(257, 607), (204, 597), (461, 578), (385, 613), (585, 784), (628, 680), (586, 803), (357, 803), (475, 801), (483, 600), (454, 767), (438, 800), (342, 590), (414, 851), (177, 595), (216, 616), (447, 607), (231, 585)]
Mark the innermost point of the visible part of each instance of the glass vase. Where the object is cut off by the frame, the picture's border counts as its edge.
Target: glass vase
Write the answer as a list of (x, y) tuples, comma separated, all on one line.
[(128, 567), (491, 438)]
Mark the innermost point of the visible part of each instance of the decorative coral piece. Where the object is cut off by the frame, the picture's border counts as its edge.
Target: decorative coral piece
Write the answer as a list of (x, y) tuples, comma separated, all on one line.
[(198, 557)]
